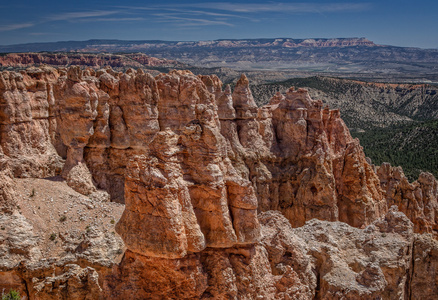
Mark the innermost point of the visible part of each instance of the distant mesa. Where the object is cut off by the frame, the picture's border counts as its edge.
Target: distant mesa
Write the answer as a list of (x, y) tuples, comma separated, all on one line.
[(335, 55)]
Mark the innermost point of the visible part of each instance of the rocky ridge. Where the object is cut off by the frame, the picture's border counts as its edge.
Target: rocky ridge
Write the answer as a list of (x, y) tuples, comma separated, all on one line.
[(129, 46), (354, 57), (364, 105), (209, 181), (128, 60)]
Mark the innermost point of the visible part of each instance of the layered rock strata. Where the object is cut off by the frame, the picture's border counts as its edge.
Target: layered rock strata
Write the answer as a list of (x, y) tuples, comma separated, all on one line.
[(134, 60), (418, 200), (166, 135), (201, 170)]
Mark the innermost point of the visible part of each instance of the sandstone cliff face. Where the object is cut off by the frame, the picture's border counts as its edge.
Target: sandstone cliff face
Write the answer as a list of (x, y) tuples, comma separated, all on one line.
[(200, 170), (315, 261), (27, 121), (302, 159), (418, 200), (291, 156)]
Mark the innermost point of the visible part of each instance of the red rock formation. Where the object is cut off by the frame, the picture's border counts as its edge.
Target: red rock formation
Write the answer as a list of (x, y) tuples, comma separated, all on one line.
[(134, 60), (187, 164), (329, 43), (27, 120), (418, 200), (292, 155), (200, 170), (302, 159)]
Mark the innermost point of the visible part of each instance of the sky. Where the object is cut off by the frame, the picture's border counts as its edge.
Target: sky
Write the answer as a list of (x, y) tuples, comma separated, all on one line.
[(399, 23)]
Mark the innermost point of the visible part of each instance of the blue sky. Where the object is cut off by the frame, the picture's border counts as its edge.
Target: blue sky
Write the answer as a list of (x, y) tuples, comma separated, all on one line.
[(400, 23)]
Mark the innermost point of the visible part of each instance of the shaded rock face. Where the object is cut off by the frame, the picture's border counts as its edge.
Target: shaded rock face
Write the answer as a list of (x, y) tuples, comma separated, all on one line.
[(277, 268), (424, 278), (212, 186), (320, 260), (418, 200), (343, 265)]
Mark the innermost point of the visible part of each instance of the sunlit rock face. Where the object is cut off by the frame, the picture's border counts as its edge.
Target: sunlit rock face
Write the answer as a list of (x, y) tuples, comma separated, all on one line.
[(194, 159), (213, 187)]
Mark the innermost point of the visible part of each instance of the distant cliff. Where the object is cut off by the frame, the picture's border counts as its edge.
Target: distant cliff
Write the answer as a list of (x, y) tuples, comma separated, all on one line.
[(133, 60), (128, 46), (340, 56)]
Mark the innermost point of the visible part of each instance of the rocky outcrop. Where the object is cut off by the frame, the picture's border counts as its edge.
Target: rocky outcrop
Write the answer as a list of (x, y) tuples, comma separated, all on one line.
[(27, 123), (212, 185), (56, 243), (245, 272), (342, 264), (74, 283), (291, 156), (7, 194), (132, 60), (187, 164), (302, 159), (424, 276), (384, 260), (418, 200)]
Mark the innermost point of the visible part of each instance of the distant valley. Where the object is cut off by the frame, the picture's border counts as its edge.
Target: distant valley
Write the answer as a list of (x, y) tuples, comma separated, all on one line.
[(364, 105), (346, 57)]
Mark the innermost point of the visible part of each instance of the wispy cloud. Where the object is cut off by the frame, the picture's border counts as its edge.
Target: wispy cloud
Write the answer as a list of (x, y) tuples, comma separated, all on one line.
[(15, 26), (205, 13), (39, 33), (81, 15), (189, 21), (109, 19), (226, 13), (282, 7), (194, 14), (183, 10), (184, 15)]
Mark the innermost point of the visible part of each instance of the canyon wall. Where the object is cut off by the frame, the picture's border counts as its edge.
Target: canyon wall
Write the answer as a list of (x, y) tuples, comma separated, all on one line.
[(209, 181)]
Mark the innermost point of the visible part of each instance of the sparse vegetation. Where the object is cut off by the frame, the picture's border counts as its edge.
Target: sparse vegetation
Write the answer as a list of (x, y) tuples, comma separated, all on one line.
[(12, 295), (63, 218), (53, 236), (113, 221), (32, 194)]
